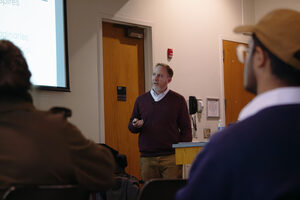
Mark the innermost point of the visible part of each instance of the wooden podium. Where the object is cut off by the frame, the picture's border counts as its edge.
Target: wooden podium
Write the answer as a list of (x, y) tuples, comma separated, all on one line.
[(185, 152)]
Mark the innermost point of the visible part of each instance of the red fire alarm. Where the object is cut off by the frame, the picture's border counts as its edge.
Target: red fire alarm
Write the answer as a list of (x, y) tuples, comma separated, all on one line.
[(170, 53)]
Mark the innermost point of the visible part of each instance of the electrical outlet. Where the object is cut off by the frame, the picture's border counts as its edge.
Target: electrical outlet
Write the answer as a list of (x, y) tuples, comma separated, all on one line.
[(206, 133)]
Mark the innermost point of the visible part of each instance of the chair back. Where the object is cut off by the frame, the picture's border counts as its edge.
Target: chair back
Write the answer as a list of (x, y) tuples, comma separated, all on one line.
[(45, 192), (161, 189)]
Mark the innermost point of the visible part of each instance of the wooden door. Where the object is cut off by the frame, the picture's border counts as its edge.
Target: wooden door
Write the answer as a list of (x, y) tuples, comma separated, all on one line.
[(236, 97), (123, 65)]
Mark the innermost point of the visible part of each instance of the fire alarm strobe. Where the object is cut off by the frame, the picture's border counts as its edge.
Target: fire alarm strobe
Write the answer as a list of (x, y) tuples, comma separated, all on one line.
[(170, 53)]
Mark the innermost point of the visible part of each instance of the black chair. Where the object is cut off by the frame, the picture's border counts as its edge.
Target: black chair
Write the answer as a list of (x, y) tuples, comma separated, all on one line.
[(45, 192), (161, 189)]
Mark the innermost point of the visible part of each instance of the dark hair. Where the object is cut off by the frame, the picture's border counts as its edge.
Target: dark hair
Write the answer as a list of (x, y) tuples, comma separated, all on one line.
[(167, 67), (280, 69), (14, 72)]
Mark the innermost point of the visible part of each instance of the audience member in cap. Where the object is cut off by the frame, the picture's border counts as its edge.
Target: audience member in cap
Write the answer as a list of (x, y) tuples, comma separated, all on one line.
[(258, 157), (42, 147)]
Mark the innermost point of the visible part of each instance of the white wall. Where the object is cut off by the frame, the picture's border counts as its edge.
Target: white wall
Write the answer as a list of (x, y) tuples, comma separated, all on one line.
[(262, 7), (248, 12), (193, 29), (83, 66)]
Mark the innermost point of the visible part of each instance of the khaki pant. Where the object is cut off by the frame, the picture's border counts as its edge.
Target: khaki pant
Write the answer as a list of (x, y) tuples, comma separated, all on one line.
[(160, 167)]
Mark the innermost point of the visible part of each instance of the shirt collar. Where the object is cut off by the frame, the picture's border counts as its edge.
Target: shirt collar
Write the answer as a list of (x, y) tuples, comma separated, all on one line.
[(158, 97), (275, 97)]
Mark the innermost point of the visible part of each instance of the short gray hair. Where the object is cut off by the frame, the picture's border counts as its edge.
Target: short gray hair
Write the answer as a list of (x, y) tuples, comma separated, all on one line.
[(167, 67)]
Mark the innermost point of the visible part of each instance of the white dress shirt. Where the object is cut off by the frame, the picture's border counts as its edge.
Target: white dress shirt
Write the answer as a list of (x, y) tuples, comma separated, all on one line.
[(158, 97), (275, 97)]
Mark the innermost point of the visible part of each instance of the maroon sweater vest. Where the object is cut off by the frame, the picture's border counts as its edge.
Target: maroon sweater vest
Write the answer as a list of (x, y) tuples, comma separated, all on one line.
[(166, 122)]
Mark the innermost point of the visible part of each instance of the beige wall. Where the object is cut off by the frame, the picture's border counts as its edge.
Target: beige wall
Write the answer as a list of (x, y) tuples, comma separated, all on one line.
[(193, 29), (264, 6)]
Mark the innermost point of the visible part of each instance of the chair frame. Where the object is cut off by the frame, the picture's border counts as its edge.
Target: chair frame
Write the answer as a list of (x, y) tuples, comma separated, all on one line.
[(42, 191), (161, 189)]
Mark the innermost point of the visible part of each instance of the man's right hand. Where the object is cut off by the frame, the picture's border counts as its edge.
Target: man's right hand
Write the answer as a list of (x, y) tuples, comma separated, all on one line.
[(137, 123)]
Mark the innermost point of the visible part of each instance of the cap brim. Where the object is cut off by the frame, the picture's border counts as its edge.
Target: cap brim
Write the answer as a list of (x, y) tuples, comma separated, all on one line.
[(247, 29)]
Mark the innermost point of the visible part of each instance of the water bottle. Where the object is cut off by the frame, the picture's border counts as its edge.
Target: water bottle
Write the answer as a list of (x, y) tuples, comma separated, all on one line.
[(220, 125)]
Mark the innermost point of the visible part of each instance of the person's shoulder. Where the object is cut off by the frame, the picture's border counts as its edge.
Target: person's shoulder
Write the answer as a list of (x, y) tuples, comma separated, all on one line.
[(55, 115), (63, 111), (238, 137), (235, 136), (143, 96), (176, 95), (59, 117)]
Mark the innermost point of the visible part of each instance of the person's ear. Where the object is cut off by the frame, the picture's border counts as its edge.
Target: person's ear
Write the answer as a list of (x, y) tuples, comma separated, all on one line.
[(261, 56), (169, 79)]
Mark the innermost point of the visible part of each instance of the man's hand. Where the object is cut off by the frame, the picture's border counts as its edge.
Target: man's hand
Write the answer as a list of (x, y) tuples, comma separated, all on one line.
[(137, 123)]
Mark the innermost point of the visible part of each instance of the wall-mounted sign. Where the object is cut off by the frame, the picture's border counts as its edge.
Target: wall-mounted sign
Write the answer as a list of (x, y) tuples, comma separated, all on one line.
[(121, 93), (213, 108)]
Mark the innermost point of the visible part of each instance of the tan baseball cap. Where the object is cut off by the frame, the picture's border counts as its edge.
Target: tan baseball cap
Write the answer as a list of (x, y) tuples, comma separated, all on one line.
[(279, 31)]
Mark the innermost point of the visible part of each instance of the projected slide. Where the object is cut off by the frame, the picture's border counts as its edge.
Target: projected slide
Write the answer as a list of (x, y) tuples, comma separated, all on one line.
[(37, 27)]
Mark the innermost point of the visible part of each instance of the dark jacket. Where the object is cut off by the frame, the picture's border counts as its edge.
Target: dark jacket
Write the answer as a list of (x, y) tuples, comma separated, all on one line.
[(39, 147), (257, 158)]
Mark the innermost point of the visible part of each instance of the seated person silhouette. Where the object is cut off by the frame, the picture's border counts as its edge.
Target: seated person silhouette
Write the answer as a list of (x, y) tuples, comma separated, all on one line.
[(42, 147)]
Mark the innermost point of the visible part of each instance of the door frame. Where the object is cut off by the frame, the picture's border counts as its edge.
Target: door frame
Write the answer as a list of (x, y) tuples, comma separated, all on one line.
[(148, 58), (237, 38)]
